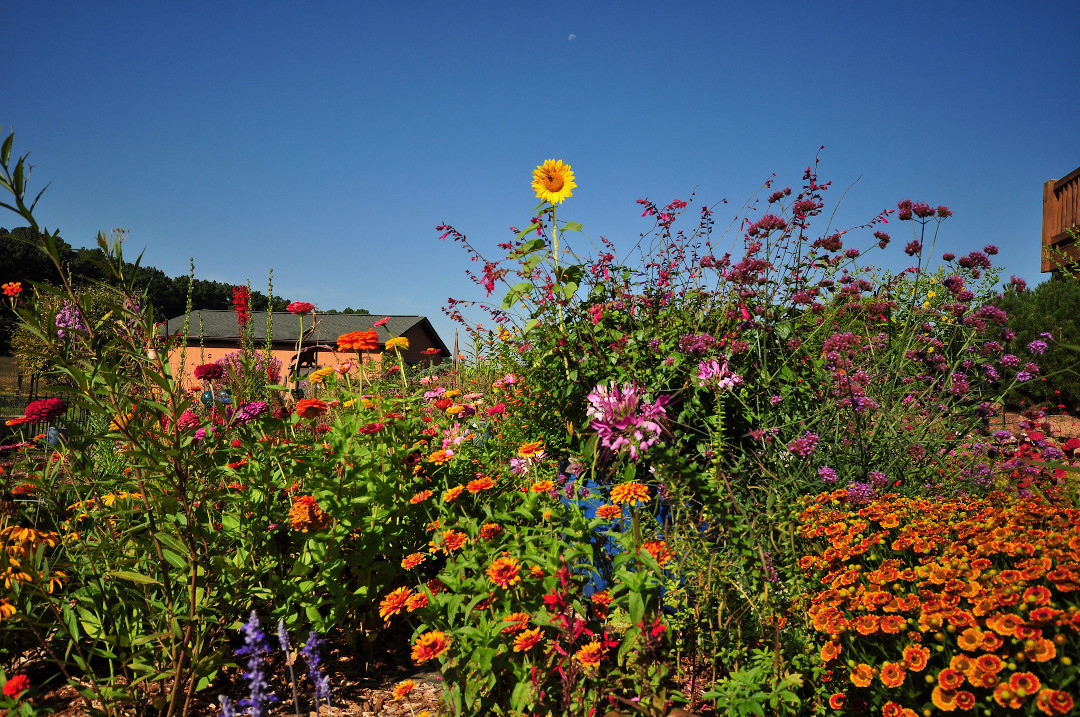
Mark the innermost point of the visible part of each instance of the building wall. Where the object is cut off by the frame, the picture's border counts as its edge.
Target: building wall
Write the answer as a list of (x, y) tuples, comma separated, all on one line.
[(214, 352)]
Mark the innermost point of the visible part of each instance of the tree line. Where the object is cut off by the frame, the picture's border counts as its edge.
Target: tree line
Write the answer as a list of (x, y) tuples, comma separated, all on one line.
[(23, 260)]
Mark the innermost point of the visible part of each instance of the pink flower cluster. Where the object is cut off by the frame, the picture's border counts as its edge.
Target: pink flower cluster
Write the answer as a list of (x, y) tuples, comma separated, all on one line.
[(623, 420)]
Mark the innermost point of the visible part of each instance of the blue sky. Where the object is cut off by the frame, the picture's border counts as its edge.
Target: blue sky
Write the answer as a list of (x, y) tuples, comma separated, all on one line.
[(326, 140)]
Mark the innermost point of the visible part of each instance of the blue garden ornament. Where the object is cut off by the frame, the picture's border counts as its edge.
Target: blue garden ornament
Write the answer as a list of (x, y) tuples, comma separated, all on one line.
[(223, 396), (56, 437), (207, 398)]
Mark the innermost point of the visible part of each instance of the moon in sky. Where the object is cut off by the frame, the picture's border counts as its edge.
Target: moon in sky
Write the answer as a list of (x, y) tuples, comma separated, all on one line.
[(572, 36)]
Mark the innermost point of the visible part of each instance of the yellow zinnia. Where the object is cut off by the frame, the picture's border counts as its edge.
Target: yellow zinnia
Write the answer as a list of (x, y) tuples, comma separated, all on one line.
[(398, 342), (553, 180)]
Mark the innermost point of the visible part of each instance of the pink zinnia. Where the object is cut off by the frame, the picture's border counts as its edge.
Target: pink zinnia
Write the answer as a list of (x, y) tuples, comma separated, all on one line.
[(382, 321), (300, 307)]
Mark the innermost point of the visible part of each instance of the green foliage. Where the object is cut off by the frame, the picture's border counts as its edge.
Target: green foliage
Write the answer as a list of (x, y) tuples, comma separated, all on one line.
[(1052, 307)]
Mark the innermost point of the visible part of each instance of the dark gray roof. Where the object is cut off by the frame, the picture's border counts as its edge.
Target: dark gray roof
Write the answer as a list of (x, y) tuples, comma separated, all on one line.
[(222, 325)]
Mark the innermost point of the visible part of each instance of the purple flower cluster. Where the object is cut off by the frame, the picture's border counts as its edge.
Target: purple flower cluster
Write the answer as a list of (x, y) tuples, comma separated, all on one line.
[(696, 343), (804, 446), (255, 644), (251, 411), (69, 318), (860, 493), (827, 474), (623, 420)]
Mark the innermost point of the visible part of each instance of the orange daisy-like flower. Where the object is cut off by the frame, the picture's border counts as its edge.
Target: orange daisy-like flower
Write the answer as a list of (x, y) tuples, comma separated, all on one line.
[(306, 515), (892, 624), (420, 497), (891, 709), (429, 646), (943, 699), (504, 571), (609, 512), (527, 639), (830, 651), (451, 540), (1005, 697), (529, 450), (630, 493), (478, 484), (964, 700), (1044, 650), (659, 550), (866, 624), (403, 688), (394, 603), (411, 561), (489, 531), (1054, 702), (1024, 684), (439, 457), (950, 679), (452, 494), (517, 620), (989, 663), (970, 639), (310, 408), (892, 674), (862, 675), (358, 341), (590, 655), (536, 571), (837, 700), (416, 601), (542, 486)]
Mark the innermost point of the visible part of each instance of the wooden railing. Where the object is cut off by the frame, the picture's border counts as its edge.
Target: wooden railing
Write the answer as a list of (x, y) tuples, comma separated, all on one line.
[(1061, 211)]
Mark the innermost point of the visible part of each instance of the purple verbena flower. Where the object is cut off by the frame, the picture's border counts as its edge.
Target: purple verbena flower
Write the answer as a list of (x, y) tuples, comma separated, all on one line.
[(860, 493), (827, 474), (804, 445)]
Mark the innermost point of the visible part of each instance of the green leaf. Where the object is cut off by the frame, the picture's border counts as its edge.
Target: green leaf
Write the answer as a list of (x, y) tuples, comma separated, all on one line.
[(133, 577), (5, 152), (572, 227)]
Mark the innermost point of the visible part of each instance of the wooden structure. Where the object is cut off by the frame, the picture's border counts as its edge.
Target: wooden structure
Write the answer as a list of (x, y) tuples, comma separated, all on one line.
[(1061, 211)]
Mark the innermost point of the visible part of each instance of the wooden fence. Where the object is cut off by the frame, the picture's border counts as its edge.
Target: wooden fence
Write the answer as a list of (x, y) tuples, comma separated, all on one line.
[(1061, 211)]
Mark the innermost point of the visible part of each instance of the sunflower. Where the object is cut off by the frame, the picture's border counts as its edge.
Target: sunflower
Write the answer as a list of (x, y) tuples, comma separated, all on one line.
[(553, 180)]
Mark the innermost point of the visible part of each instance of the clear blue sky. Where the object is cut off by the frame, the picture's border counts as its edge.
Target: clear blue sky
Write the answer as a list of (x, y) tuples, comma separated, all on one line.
[(328, 139)]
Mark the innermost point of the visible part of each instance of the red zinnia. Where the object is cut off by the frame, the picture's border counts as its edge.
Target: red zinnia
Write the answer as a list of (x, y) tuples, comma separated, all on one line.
[(209, 372), (15, 686), (44, 409)]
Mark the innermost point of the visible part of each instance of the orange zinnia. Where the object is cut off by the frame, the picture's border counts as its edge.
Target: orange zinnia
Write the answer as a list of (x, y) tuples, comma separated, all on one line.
[(394, 603), (609, 512), (451, 540), (489, 531), (452, 494), (527, 639), (420, 497), (659, 550), (429, 646), (358, 341), (416, 601), (306, 515), (504, 571), (542, 486), (411, 561), (517, 620), (528, 450), (310, 407), (630, 493), (403, 688), (478, 484), (590, 655)]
